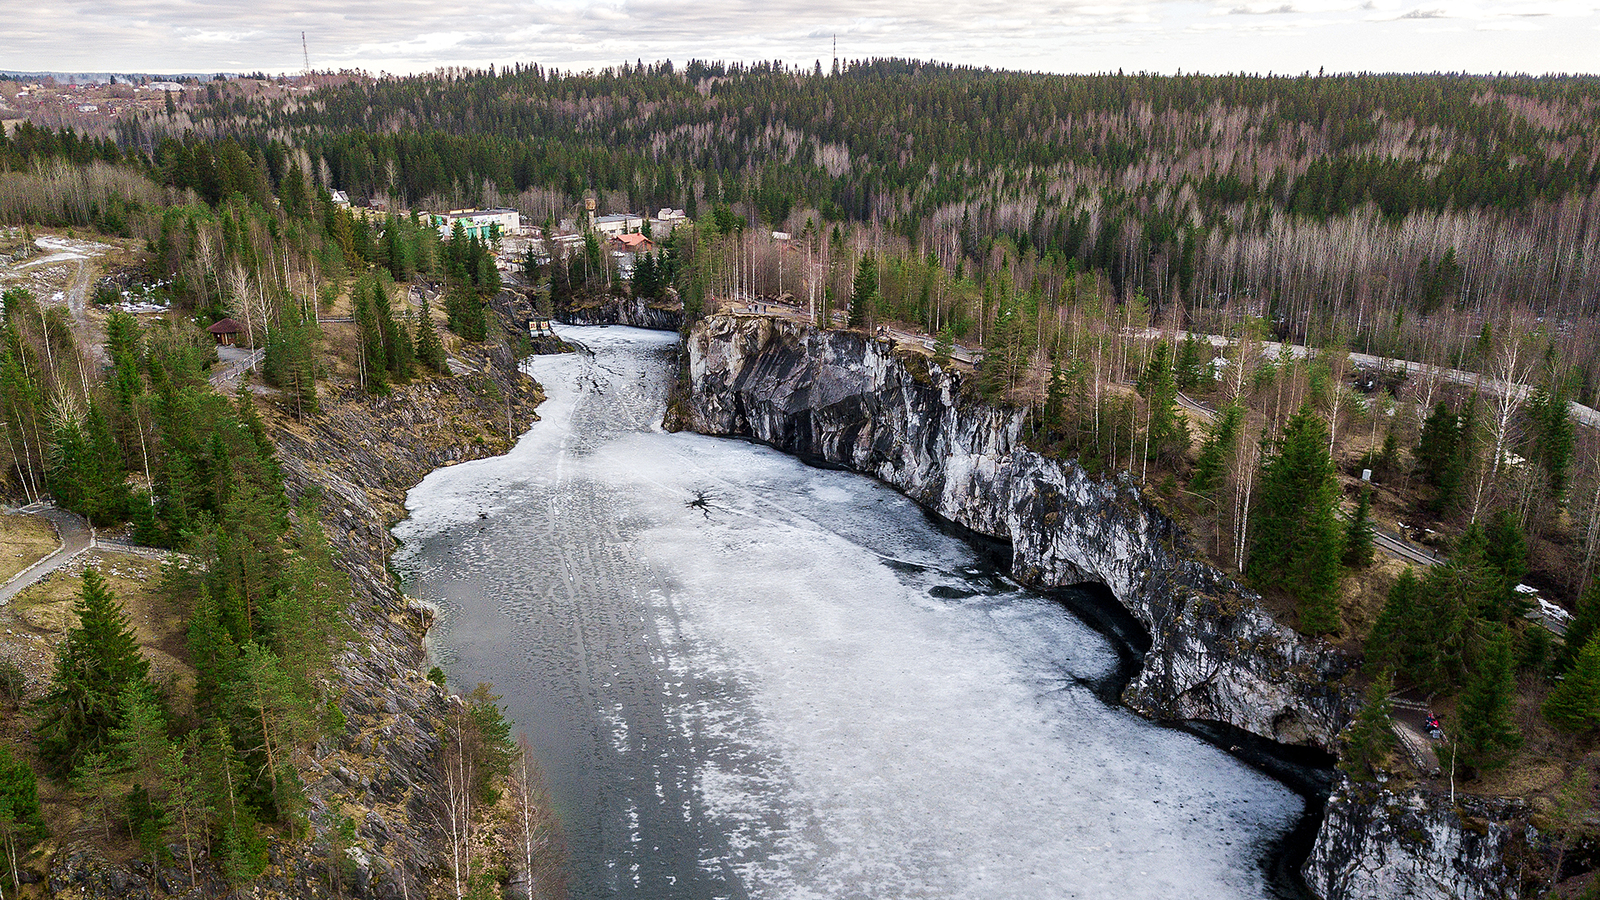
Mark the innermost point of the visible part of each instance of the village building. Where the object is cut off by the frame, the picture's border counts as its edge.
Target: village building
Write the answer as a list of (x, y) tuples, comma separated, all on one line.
[(617, 224), (484, 224)]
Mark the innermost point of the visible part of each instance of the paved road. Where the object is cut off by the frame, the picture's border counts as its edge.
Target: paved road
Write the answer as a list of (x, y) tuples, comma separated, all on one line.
[(1583, 414), (74, 534)]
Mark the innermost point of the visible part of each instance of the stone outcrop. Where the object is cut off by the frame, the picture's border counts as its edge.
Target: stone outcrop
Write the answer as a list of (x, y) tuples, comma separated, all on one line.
[(844, 399), (665, 315), (1377, 844)]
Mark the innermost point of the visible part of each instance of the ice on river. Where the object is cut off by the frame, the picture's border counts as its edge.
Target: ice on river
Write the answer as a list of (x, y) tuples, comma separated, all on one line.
[(803, 689)]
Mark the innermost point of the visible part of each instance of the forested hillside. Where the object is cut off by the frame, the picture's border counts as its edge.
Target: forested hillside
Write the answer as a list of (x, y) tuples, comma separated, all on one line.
[(1339, 207), (1058, 231)]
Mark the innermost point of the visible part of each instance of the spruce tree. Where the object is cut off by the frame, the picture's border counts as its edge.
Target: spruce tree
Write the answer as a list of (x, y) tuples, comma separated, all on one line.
[(429, 348), (1391, 642), (1486, 734), (864, 292), (1371, 735), (1296, 541), (1574, 704), (21, 821), (97, 663), (1215, 451), (1585, 622), (1358, 533), (1167, 434)]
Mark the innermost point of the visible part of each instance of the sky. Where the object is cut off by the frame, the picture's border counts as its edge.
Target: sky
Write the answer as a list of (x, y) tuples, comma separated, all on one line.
[(405, 36)]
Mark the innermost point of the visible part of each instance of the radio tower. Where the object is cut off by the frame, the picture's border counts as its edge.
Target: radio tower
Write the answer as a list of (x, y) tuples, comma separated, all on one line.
[(306, 52), (836, 54)]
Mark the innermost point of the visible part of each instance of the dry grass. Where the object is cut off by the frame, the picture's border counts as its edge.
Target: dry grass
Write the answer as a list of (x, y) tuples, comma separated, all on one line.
[(24, 540)]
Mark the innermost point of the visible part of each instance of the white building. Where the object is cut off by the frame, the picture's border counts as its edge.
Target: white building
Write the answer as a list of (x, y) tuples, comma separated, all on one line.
[(664, 221), (480, 223), (618, 224)]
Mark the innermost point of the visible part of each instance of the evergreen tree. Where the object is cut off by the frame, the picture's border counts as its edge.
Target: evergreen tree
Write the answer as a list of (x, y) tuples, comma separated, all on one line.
[(1585, 622), (1371, 736), (864, 293), (97, 663), (21, 821), (1216, 449), (291, 364), (1506, 552), (1296, 541), (373, 360), (1442, 454), (1574, 705), (1167, 432), (1486, 735), (1551, 438), (429, 348), (1391, 644), (1358, 533)]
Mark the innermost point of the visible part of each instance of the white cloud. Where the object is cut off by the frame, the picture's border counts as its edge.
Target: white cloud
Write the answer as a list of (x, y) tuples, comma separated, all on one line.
[(1074, 35)]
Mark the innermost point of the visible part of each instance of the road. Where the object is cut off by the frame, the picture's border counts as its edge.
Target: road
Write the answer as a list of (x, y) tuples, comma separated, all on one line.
[(74, 534), (1583, 414)]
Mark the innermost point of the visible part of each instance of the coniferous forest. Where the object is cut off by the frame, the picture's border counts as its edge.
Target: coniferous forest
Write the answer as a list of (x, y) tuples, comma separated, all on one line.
[(1130, 258)]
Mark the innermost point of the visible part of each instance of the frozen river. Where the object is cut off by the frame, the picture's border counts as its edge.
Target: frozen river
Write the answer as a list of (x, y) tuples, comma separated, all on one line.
[(804, 689)]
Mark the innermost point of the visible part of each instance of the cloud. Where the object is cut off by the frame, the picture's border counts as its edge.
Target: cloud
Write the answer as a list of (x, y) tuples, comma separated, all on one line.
[(1063, 35)]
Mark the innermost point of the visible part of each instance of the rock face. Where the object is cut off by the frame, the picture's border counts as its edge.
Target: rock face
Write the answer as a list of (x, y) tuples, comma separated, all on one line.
[(1374, 843), (843, 399), (663, 316), (847, 400)]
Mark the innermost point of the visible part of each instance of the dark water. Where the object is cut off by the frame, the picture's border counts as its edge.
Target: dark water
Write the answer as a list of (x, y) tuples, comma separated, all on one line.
[(800, 687)]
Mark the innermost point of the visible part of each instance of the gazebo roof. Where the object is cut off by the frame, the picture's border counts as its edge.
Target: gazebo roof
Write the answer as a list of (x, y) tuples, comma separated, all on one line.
[(226, 326)]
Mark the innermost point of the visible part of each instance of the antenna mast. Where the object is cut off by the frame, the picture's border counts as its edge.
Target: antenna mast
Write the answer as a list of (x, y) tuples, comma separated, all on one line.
[(836, 53), (305, 51)]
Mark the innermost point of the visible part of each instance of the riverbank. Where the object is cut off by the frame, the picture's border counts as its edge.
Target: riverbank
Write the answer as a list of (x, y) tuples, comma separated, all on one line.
[(355, 460)]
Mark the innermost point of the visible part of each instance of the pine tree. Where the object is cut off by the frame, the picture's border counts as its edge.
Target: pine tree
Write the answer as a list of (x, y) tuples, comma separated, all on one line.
[(1574, 703), (97, 663), (1296, 541), (1485, 731), (1440, 456)]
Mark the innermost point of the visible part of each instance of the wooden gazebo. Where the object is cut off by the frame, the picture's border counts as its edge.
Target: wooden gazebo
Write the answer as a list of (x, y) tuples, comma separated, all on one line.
[(226, 332)]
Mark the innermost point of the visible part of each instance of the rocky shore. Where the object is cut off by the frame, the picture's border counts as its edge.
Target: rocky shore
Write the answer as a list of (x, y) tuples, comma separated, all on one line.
[(1215, 654)]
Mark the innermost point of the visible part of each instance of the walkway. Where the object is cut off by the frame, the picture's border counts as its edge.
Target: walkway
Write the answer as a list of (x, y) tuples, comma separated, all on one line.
[(75, 535)]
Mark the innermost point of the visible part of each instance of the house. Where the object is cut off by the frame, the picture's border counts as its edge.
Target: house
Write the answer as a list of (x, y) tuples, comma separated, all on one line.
[(226, 332), (340, 199), (484, 224), (631, 243), (665, 220)]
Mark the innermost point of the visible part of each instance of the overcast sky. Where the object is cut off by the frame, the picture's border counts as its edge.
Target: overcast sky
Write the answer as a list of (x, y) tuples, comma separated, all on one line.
[(1056, 35)]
